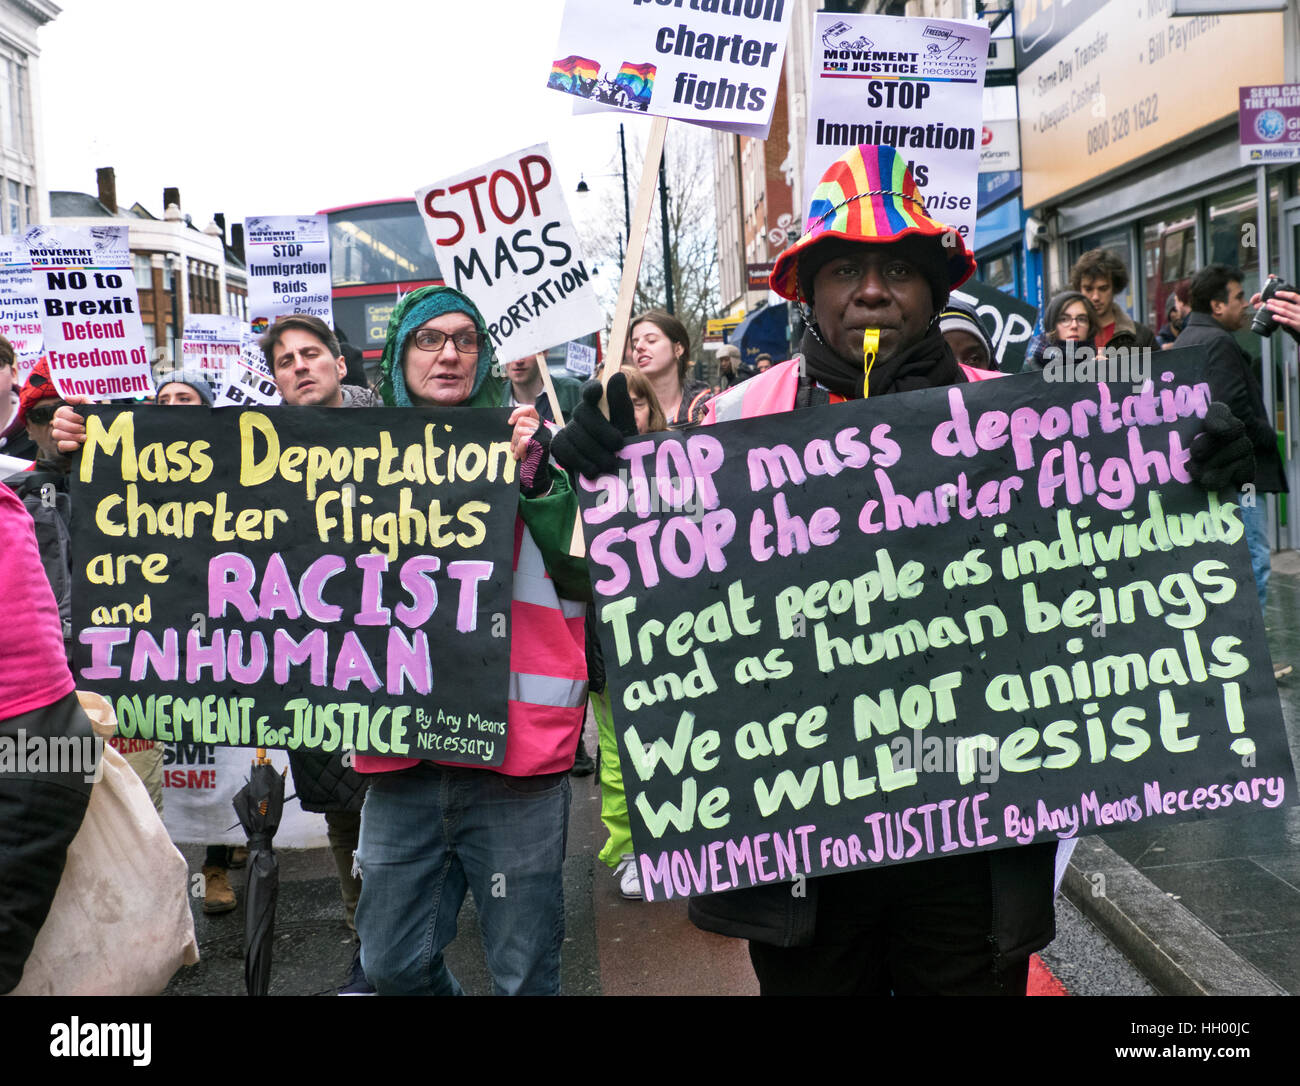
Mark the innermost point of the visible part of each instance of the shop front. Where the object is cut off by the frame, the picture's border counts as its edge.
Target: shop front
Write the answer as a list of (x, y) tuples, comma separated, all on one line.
[(1130, 143)]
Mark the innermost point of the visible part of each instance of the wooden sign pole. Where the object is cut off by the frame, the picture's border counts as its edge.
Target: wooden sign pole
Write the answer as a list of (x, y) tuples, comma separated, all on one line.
[(549, 387), (645, 196)]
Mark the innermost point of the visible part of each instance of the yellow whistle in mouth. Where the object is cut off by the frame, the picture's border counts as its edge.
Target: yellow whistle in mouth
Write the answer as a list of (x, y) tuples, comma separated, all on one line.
[(870, 345)]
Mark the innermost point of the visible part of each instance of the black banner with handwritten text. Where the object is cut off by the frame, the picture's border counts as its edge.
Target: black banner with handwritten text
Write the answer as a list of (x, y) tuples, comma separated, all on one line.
[(298, 577), (930, 623)]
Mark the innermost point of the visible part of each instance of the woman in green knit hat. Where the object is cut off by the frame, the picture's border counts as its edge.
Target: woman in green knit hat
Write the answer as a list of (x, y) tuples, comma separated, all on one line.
[(431, 831)]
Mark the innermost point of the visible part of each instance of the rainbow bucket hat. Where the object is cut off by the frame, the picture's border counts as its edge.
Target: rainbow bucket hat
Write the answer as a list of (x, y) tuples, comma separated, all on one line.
[(869, 195)]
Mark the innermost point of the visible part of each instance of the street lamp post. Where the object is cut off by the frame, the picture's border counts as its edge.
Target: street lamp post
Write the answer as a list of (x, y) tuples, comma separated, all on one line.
[(627, 208), (663, 219), (177, 266)]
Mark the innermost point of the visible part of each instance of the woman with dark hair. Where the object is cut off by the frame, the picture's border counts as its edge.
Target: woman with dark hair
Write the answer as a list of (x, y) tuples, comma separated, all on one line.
[(1069, 317), (661, 350)]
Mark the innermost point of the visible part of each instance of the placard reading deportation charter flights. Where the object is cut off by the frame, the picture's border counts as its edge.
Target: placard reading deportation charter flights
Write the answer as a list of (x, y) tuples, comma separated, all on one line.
[(20, 309), (89, 314), (925, 624), (503, 236), (288, 268), (712, 62), (913, 84), (298, 577)]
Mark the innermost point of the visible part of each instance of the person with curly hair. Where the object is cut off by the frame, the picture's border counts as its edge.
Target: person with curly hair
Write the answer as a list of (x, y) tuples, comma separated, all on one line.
[(1100, 275)]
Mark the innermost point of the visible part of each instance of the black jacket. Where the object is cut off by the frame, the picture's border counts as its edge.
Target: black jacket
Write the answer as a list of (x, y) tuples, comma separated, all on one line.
[(323, 782), (1232, 379), (1128, 333), (44, 491), (1021, 878)]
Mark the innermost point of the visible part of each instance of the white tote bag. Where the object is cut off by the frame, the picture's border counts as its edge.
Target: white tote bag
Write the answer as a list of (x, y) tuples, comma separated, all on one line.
[(120, 923)]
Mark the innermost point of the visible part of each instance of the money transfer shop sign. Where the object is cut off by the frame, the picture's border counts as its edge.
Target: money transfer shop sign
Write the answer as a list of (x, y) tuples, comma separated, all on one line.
[(1269, 124), (514, 251), (1104, 82), (714, 62), (903, 628), (242, 579), (912, 84)]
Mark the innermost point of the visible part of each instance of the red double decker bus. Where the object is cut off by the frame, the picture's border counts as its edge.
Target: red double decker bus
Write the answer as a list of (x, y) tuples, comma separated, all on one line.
[(378, 252)]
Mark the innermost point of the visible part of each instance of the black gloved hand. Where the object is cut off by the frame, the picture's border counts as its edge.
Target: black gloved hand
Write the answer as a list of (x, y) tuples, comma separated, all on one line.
[(1222, 455), (534, 478), (590, 442)]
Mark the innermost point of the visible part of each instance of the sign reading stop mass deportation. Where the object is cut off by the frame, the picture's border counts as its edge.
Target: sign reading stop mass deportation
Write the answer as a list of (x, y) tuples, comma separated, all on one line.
[(1008, 321), (925, 624), (514, 251), (93, 336), (299, 577)]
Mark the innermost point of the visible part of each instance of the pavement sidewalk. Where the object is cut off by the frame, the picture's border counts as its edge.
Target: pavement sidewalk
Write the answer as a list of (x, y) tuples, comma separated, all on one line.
[(1212, 907)]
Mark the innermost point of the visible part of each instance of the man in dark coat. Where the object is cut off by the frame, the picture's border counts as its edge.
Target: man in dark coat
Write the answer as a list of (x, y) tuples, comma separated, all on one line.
[(870, 272), (309, 368), (954, 925), (1219, 309)]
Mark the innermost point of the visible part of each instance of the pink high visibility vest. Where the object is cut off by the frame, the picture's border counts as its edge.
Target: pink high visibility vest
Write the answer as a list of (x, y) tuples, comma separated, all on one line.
[(775, 390)]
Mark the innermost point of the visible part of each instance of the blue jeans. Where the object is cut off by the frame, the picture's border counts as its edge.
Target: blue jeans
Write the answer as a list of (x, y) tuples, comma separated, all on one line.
[(429, 833), (1254, 518)]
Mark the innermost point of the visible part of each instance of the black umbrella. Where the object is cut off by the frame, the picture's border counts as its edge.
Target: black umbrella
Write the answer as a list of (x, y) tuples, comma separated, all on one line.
[(259, 805)]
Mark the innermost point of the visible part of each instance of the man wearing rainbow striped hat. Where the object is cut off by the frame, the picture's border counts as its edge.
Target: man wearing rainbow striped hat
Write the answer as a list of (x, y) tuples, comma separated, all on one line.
[(872, 273)]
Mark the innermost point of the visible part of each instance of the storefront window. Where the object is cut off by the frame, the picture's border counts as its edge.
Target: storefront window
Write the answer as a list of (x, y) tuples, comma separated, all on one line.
[(1168, 258), (1002, 272), (1233, 220)]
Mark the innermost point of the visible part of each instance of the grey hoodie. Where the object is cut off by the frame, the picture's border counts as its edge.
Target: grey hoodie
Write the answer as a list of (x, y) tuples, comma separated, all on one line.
[(355, 396)]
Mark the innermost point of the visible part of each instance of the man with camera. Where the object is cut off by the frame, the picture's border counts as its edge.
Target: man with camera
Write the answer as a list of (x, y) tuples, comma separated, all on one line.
[(1219, 308)]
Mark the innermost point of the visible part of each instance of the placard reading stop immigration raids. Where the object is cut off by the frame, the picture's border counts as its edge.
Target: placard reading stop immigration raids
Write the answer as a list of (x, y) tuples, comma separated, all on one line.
[(211, 347), (301, 578), (712, 62), (288, 268), (926, 624), (912, 84), (514, 251), (89, 313), (20, 309), (1008, 321)]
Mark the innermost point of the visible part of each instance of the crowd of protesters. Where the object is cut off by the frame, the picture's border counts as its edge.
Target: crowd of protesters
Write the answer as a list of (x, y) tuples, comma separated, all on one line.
[(410, 838)]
